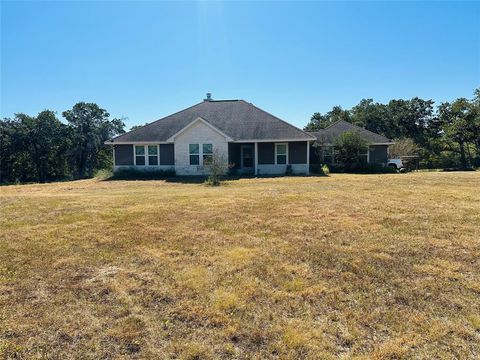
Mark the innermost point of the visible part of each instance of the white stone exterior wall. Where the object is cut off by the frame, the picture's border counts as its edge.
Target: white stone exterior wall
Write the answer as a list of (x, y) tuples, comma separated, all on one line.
[(198, 133)]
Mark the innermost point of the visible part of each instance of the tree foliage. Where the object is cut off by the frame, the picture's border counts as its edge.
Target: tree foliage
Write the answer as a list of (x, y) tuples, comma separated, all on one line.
[(403, 147), (91, 127), (319, 121), (444, 136), (349, 149), (459, 129), (135, 127), (41, 148), (34, 148)]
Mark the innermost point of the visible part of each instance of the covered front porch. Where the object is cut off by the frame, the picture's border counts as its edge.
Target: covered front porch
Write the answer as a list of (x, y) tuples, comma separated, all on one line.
[(269, 158)]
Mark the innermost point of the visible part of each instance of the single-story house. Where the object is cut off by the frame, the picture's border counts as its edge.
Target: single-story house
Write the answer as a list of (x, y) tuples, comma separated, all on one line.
[(253, 141), (250, 139), (322, 148)]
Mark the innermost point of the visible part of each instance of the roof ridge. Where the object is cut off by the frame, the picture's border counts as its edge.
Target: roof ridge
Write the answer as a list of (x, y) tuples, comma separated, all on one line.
[(293, 126), (334, 123), (222, 100), (155, 121)]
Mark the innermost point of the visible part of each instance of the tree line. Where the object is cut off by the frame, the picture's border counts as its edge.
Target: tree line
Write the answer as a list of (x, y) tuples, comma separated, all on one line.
[(42, 148), (443, 136)]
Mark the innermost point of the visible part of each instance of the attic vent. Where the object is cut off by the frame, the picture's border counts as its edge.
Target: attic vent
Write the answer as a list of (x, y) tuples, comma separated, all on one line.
[(209, 97)]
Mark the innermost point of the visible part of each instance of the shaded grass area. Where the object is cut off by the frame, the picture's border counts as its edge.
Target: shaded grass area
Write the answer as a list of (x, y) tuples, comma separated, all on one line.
[(352, 266)]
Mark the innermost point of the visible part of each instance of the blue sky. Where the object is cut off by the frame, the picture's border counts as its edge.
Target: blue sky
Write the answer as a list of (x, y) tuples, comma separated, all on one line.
[(145, 60)]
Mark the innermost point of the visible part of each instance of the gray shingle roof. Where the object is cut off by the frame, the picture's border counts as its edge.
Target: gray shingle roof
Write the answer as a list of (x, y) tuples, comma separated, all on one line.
[(238, 119), (328, 135)]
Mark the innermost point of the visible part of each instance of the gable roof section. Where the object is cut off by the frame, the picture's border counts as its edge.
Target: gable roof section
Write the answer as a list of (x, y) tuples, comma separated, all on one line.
[(197, 120), (328, 135), (238, 119)]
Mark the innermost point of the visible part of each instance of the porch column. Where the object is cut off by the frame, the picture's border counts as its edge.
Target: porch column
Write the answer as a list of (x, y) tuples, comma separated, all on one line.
[(255, 171), (308, 157)]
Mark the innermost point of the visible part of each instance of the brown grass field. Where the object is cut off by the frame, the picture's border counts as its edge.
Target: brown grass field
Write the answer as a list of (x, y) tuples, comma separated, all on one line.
[(346, 266)]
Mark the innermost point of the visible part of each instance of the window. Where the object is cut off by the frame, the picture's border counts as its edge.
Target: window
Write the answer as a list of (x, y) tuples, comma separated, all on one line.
[(363, 157), (207, 154), (194, 151), (281, 154), (152, 155), (139, 155)]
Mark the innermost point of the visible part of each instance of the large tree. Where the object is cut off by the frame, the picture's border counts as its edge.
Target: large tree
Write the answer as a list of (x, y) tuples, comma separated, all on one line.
[(33, 148), (474, 125), (411, 119), (91, 128), (48, 140), (374, 117), (458, 122), (319, 121)]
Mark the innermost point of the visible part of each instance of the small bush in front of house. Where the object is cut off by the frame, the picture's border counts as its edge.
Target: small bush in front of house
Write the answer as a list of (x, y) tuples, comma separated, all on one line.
[(133, 174), (104, 174), (217, 167), (363, 169), (374, 169), (349, 148), (324, 169), (336, 169), (320, 169)]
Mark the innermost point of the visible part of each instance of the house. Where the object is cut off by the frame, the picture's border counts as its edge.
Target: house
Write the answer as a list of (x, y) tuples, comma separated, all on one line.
[(322, 148), (252, 140)]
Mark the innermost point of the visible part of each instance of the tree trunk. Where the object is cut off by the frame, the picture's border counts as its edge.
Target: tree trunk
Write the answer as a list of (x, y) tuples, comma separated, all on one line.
[(81, 165), (43, 173), (463, 157), (470, 159)]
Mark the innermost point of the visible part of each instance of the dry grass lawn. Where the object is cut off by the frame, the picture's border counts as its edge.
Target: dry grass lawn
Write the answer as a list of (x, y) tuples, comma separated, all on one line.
[(346, 266)]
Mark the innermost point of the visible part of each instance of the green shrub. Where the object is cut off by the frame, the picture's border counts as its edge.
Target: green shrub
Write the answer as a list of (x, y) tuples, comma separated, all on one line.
[(374, 169), (336, 169), (133, 174), (325, 170), (217, 168), (363, 169), (320, 169), (104, 174), (348, 149)]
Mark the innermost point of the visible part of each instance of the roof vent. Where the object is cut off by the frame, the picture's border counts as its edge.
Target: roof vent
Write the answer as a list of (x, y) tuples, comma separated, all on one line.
[(209, 97)]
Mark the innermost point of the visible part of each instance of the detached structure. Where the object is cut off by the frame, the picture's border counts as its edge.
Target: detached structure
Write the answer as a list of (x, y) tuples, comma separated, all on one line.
[(253, 141), (322, 150)]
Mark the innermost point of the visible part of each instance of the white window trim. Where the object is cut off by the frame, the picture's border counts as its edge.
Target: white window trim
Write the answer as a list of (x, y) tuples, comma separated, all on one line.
[(147, 163), (191, 154), (135, 154), (211, 154), (200, 153), (286, 146), (145, 155)]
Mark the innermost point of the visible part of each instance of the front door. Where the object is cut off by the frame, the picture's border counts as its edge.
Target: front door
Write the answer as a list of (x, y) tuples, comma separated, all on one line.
[(247, 157)]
